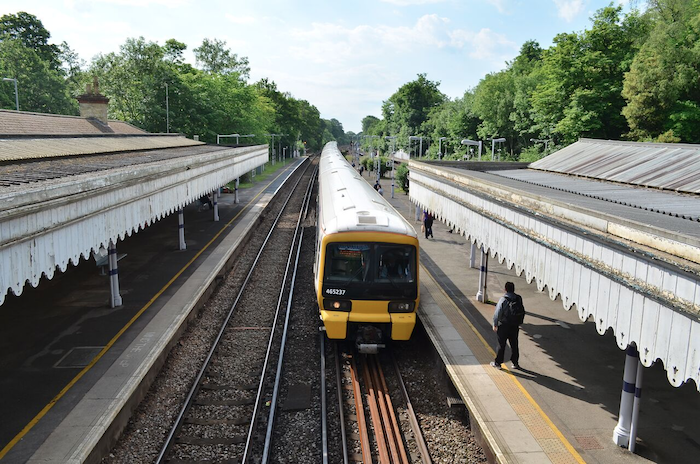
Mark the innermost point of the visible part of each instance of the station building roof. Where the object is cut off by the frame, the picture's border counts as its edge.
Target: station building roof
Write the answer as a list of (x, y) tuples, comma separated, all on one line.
[(16, 123)]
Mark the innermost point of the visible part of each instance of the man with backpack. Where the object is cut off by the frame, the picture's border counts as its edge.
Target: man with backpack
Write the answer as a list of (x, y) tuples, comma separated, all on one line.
[(509, 314)]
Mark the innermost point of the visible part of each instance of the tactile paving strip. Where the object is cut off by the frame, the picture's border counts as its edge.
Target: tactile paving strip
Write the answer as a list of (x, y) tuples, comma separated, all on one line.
[(550, 439)]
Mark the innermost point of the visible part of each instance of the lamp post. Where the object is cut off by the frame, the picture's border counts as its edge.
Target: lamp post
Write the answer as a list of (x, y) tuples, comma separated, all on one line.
[(167, 111), (377, 167), (393, 150), (472, 142), (493, 146), (272, 146), (546, 142), (418, 137), (440, 146), (12, 79)]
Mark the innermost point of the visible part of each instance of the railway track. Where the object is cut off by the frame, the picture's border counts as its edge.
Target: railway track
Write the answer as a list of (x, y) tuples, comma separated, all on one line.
[(220, 422), (362, 389), (229, 412)]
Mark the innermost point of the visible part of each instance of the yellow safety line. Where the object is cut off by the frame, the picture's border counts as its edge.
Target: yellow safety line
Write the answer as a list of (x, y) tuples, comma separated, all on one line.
[(520, 386), (70, 384)]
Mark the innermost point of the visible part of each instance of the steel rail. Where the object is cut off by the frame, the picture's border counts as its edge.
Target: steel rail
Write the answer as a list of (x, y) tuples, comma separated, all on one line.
[(324, 410), (375, 415), (387, 427), (197, 383), (261, 383), (392, 415), (413, 419), (339, 388), (360, 413), (299, 238)]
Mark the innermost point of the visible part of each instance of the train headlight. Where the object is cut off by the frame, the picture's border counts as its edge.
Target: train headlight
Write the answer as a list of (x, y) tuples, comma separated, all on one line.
[(401, 306), (337, 305)]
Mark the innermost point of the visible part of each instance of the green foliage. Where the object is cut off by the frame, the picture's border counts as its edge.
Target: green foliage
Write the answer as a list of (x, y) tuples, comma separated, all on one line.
[(369, 164), (635, 75), (31, 33), (27, 55), (530, 155), (333, 130), (213, 100), (664, 74), (407, 109), (215, 58), (41, 88), (401, 175), (368, 123)]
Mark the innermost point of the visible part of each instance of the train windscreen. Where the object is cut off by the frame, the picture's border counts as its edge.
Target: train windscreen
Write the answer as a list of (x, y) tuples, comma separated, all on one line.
[(370, 270)]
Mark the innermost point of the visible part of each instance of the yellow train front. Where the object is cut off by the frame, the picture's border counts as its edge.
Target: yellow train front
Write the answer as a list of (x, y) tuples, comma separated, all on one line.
[(366, 268)]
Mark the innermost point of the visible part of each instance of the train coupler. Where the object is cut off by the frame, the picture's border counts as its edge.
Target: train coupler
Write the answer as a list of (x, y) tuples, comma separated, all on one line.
[(369, 340)]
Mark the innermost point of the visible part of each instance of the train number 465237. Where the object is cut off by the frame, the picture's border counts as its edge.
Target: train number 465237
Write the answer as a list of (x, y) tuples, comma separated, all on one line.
[(335, 291)]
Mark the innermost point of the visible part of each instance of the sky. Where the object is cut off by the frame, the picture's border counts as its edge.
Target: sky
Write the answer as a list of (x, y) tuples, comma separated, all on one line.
[(344, 57)]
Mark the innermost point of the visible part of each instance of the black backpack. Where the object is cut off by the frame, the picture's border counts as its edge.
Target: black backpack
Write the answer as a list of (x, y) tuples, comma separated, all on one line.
[(512, 312)]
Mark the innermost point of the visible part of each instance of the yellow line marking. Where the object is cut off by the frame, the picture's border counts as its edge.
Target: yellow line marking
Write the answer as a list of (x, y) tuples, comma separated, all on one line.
[(520, 386), (114, 339)]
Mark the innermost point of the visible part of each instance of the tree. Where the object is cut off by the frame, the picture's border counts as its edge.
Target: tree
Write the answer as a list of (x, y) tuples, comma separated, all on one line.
[(30, 32), (580, 80), (40, 87), (454, 119), (662, 87), (494, 103), (407, 109), (368, 122), (134, 79), (310, 122), (215, 58), (173, 50)]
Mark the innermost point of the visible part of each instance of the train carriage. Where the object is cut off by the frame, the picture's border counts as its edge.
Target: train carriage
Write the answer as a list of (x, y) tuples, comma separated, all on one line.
[(366, 268)]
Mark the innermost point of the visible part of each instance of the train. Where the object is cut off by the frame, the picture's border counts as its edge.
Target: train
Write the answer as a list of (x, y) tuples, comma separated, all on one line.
[(367, 258)]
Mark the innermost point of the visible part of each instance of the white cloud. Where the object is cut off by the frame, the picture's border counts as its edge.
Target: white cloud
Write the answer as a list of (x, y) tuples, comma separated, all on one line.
[(334, 44), (240, 19), (484, 45), (569, 9), (499, 4)]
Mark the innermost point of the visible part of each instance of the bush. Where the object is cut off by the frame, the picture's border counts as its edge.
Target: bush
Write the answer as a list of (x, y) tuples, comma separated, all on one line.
[(402, 177), (530, 155), (368, 163)]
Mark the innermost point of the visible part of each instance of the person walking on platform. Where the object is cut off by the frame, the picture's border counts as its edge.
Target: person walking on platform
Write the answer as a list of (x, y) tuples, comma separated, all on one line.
[(507, 318), (205, 201), (428, 224)]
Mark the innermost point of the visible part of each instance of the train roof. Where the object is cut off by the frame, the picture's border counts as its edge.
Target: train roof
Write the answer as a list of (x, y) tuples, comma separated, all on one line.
[(349, 204)]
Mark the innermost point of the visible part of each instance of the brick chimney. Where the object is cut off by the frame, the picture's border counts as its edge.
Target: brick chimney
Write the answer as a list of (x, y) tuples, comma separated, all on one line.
[(92, 103)]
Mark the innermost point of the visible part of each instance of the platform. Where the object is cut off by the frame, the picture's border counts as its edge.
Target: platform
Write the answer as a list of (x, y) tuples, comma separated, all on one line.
[(85, 396), (562, 405)]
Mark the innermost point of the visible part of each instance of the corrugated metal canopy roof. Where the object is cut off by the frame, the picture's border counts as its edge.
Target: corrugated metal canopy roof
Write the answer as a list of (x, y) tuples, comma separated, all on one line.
[(671, 166), (672, 203)]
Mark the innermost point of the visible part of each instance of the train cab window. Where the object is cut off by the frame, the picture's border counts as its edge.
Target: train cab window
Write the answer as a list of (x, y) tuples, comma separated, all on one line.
[(396, 263), (347, 262)]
